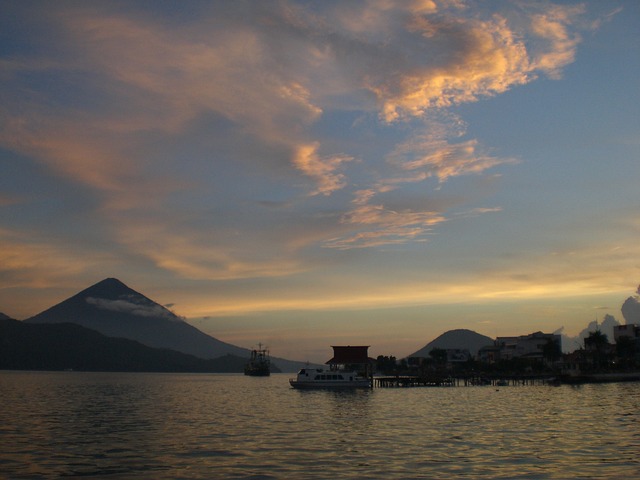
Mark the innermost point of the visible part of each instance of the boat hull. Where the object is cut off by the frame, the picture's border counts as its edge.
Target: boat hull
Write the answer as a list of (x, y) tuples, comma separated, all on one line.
[(309, 378), (257, 372), (308, 385)]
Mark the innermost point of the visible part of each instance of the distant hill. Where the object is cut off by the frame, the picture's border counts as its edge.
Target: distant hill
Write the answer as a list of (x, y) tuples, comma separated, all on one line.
[(461, 338), (115, 310), (65, 346)]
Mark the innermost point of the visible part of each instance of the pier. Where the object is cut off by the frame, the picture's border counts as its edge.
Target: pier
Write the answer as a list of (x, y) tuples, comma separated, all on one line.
[(405, 381)]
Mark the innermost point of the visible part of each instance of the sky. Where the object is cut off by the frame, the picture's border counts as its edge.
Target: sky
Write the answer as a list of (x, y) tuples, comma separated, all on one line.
[(306, 174)]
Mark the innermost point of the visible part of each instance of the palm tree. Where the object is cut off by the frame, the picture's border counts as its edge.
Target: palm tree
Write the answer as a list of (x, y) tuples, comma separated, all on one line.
[(552, 351), (596, 342)]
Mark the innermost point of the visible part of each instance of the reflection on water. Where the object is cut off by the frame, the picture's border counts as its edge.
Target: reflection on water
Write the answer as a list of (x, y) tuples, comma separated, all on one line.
[(232, 426)]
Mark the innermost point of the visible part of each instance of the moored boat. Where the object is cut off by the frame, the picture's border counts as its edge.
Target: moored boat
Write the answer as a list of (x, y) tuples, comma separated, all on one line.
[(259, 364), (320, 378)]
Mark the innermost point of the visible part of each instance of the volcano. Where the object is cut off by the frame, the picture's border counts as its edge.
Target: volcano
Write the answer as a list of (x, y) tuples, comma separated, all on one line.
[(461, 338), (115, 310)]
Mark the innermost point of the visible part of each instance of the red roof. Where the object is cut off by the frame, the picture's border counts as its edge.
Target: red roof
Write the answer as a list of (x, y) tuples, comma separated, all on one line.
[(349, 354)]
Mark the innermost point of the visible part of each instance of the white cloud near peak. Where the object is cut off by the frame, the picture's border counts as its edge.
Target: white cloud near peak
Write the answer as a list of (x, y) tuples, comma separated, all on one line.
[(132, 306)]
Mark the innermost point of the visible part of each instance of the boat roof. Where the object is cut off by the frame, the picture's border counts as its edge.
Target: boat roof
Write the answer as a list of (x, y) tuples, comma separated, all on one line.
[(349, 354)]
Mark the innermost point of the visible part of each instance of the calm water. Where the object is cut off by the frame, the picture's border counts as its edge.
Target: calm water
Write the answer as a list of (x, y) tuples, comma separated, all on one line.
[(232, 426)]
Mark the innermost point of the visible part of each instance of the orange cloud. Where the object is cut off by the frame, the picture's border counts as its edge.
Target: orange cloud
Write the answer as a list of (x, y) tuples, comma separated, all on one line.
[(379, 226), (26, 262), (6, 200), (198, 254), (552, 27), (323, 170), (442, 159), (454, 58), (488, 59)]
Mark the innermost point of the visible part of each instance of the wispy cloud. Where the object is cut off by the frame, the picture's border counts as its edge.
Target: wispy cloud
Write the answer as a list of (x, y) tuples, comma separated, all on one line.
[(33, 263), (432, 154), (553, 27), (204, 254), (324, 170), (132, 306), (6, 200)]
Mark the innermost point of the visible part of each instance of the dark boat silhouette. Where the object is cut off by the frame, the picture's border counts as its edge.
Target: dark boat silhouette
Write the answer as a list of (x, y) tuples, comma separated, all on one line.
[(259, 364)]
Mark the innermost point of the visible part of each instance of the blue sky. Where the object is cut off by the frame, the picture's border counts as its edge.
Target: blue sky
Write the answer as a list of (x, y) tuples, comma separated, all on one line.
[(304, 174)]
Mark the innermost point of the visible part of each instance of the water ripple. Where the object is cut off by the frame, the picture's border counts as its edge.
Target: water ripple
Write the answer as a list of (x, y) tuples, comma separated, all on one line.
[(203, 426)]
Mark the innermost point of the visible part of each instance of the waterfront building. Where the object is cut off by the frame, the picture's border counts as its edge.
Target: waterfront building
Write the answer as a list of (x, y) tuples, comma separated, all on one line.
[(352, 357), (630, 331), (532, 346)]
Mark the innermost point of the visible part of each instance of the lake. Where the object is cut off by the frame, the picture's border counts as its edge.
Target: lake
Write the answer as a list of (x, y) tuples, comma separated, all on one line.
[(139, 425)]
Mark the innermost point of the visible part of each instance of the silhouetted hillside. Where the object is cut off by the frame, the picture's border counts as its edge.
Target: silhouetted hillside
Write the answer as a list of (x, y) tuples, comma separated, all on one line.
[(461, 338), (64, 346)]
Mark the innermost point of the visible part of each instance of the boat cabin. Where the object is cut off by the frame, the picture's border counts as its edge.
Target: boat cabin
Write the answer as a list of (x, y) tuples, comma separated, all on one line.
[(318, 374)]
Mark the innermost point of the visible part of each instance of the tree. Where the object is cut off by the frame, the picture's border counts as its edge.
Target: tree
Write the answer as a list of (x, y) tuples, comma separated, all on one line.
[(439, 356), (596, 343), (552, 351), (386, 364), (404, 366)]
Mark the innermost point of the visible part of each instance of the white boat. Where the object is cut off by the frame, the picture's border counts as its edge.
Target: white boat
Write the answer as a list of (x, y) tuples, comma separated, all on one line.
[(319, 378)]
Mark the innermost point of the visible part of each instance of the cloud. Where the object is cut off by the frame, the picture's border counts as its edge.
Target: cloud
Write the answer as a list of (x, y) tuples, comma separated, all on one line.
[(92, 160), (26, 261), (152, 78), (389, 227), (22, 264), (487, 61), (200, 253), (480, 210), (552, 27), (631, 309), (450, 54), (306, 159), (434, 154), (132, 306), (569, 343), (157, 98), (414, 161), (6, 200)]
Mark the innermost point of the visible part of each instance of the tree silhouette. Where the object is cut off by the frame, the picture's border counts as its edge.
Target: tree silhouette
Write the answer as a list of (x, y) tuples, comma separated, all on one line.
[(439, 356), (596, 343), (552, 351)]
